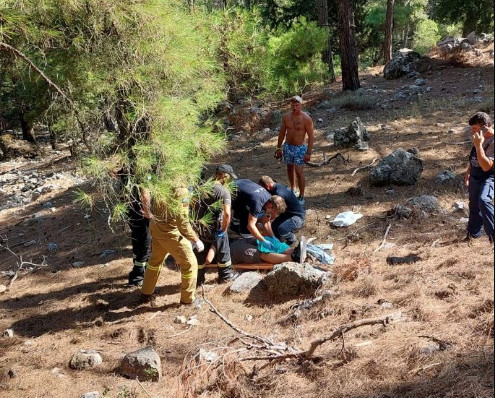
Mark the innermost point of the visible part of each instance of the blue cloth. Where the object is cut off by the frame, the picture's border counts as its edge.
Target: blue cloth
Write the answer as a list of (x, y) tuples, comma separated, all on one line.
[(318, 252), (277, 246), (294, 154)]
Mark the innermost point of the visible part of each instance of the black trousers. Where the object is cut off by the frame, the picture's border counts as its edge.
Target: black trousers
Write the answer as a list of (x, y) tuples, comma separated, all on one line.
[(140, 233)]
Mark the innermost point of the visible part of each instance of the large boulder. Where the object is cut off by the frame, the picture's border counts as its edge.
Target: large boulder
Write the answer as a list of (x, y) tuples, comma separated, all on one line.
[(355, 136), (143, 364), (399, 168), (401, 64), (246, 282), (292, 279)]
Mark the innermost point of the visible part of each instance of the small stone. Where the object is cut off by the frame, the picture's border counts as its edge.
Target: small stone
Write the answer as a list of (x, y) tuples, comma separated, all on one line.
[(85, 359), (181, 319), (12, 373), (47, 205), (3, 289), (248, 318), (320, 120), (30, 243), (464, 220), (328, 217), (52, 247), (107, 252), (78, 264), (193, 322), (92, 394), (459, 206), (206, 356), (8, 333)]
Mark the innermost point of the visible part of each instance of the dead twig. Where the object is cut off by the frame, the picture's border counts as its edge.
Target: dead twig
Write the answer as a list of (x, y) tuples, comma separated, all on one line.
[(444, 345), (144, 389), (180, 333), (426, 367), (20, 263), (327, 161), (365, 167), (384, 239)]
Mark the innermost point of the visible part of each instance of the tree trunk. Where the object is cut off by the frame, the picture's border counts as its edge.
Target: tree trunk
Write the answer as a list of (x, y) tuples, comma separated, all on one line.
[(348, 49), (27, 130), (327, 54), (389, 29)]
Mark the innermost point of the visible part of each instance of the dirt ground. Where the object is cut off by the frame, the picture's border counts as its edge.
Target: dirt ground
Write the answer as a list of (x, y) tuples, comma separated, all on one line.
[(56, 305)]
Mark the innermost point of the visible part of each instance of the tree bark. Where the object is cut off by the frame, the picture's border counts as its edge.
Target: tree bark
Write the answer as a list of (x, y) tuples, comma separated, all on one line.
[(389, 29), (348, 48), (327, 54), (27, 130)]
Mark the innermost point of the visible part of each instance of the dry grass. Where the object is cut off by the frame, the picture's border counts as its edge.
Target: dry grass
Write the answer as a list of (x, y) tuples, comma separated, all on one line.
[(448, 295)]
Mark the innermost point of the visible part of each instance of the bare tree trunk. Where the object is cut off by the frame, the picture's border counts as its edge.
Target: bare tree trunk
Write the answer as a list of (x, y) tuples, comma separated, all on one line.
[(389, 29), (348, 49), (327, 54), (27, 130)]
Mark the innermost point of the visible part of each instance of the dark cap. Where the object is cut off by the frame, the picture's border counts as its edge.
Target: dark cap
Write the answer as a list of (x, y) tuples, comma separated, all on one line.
[(227, 169)]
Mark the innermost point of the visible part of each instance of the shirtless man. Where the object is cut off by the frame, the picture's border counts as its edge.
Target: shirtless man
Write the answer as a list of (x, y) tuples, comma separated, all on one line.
[(291, 144)]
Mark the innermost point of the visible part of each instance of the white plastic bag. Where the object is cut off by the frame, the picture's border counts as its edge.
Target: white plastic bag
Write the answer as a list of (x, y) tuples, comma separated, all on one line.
[(346, 218)]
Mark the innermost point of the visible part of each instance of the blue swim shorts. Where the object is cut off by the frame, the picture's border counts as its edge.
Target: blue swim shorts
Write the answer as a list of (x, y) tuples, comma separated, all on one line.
[(294, 154)]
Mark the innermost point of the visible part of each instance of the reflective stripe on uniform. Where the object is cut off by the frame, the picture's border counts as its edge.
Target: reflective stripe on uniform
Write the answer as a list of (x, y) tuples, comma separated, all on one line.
[(201, 266), (188, 274), (137, 264), (155, 268), (225, 265)]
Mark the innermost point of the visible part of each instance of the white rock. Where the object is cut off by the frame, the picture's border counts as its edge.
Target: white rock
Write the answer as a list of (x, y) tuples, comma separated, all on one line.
[(193, 322), (181, 319), (8, 333), (3, 288)]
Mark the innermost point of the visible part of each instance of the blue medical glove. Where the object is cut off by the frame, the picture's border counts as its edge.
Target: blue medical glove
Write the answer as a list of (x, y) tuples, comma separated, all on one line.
[(266, 244), (219, 234)]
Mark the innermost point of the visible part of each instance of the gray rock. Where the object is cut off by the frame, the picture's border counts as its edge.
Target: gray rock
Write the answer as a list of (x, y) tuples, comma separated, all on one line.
[(459, 206), (401, 64), (444, 176), (92, 394), (420, 82), (29, 243), (107, 252), (324, 105), (426, 203), (246, 282), (355, 136), (291, 279), (429, 349), (472, 38), (206, 356), (85, 359), (399, 168), (144, 364)]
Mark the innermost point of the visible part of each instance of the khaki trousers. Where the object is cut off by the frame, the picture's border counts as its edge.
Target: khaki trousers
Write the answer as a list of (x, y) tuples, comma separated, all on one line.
[(180, 248)]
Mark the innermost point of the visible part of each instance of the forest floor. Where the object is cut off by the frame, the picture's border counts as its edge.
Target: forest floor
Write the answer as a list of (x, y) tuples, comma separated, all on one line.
[(74, 295)]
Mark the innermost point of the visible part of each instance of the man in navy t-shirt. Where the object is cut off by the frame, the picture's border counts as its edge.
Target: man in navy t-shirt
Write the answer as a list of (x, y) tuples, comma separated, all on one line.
[(253, 205), (292, 219)]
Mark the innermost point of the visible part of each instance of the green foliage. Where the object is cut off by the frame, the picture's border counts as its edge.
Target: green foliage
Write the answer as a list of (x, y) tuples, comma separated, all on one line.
[(474, 15), (293, 58), (426, 36), (143, 78)]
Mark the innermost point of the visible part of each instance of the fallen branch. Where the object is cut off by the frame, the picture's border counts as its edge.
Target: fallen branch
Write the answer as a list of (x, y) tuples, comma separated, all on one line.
[(326, 161), (144, 389), (12, 50), (365, 167), (384, 238), (426, 367), (20, 265)]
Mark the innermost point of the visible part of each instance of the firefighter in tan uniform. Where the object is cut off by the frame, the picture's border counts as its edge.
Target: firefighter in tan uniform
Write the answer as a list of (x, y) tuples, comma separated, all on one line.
[(171, 233)]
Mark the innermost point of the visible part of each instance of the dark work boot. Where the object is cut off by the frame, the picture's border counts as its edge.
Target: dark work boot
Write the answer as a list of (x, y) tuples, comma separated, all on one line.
[(136, 276), (201, 277)]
